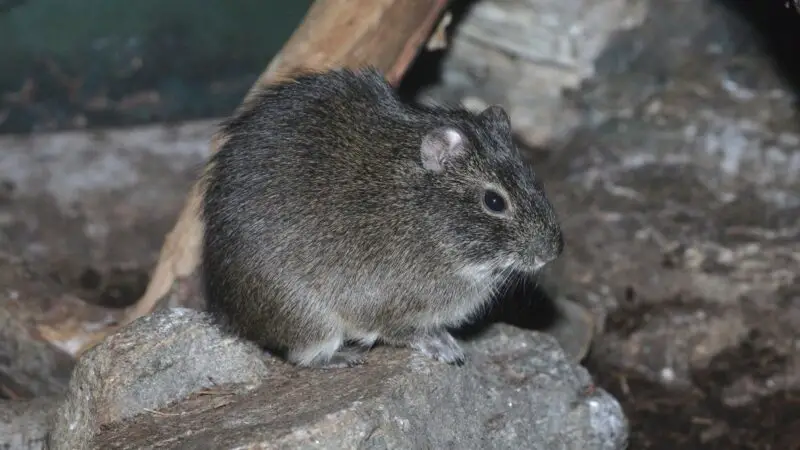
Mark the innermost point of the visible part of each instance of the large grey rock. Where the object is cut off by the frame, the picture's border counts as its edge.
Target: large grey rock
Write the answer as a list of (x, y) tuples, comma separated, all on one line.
[(519, 390), (69, 184), (29, 365), (24, 423), (155, 361), (524, 54)]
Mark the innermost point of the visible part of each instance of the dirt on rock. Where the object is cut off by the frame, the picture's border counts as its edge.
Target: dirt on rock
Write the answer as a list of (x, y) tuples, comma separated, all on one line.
[(701, 415)]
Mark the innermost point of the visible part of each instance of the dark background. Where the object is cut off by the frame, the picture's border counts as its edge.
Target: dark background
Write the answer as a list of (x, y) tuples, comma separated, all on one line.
[(68, 64)]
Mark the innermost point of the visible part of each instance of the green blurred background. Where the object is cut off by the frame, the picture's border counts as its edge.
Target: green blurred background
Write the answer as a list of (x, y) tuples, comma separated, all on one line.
[(89, 63)]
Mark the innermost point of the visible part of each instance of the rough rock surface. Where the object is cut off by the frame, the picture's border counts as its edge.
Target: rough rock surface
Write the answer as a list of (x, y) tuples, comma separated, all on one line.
[(24, 424), (524, 53), (155, 361), (29, 365), (518, 391), (114, 193)]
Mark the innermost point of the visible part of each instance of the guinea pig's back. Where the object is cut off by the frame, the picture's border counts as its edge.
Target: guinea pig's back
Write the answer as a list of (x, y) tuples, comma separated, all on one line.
[(310, 177)]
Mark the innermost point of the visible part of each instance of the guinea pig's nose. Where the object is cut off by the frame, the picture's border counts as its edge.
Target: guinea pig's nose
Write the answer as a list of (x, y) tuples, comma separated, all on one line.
[(551, 249)]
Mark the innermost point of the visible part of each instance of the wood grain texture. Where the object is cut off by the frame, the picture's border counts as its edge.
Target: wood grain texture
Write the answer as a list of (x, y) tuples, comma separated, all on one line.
[(353, 33)]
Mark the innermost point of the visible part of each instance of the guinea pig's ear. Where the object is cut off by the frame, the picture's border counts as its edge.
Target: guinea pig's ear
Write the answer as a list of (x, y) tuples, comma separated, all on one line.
[(440, 146), (496, 119)]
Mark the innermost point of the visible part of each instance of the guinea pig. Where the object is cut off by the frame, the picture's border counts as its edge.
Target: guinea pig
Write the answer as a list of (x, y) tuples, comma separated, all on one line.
[(337, 215)]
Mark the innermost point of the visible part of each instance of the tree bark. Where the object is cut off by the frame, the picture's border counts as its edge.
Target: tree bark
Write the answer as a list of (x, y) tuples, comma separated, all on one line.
[(386, 34)]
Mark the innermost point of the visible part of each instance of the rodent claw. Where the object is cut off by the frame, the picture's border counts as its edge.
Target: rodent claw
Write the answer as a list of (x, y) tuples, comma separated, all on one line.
[(344, 359), (440, 346)]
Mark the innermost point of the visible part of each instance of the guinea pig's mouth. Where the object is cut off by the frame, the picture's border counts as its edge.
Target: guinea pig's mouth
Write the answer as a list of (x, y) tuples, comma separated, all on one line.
[(508, 266), (533, 266)]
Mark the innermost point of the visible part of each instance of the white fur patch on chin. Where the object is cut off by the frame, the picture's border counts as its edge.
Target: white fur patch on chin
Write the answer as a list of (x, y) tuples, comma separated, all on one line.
[(477, 272), (484, 272)]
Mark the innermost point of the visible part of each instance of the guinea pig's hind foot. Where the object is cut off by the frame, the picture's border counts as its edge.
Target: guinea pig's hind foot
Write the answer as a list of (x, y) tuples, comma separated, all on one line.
[(441, 346)]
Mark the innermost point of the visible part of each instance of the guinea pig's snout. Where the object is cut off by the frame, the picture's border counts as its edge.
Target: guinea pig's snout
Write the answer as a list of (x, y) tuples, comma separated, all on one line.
[(549, 249)]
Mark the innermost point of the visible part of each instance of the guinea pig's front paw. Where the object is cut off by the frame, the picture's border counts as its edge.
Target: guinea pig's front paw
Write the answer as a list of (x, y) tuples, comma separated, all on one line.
[(440, 346), (344, 358)]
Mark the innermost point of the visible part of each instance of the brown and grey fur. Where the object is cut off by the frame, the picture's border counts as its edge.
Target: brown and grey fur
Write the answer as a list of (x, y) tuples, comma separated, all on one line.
[(336, 213)]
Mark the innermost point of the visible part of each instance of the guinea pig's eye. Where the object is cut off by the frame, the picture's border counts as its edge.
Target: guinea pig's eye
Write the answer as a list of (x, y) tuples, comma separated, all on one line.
[(494, 201)]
